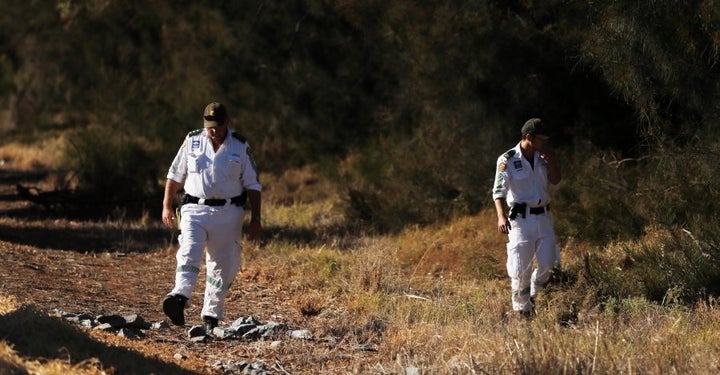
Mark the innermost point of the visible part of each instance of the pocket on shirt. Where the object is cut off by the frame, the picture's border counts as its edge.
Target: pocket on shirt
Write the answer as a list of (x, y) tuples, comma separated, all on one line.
[(193, 164), (521, 174), (521, 183), (197, 163), (234, 169)]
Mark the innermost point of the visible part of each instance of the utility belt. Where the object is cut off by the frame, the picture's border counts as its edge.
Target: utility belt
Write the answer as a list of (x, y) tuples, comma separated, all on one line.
[(215, 202), (522, 209)]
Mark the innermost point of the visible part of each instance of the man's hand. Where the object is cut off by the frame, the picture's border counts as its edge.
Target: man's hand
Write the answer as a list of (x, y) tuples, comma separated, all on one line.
[(503, 225), (547, 154), (168, 213), (168, 217), (254, 230)]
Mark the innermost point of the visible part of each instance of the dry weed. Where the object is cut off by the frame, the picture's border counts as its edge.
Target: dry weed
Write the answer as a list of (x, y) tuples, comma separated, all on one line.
[(42, 155), (310, 303)]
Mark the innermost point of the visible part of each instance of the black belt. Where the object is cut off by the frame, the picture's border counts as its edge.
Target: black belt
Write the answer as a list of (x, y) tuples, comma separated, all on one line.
[(238, 201), (539, 210), (519, 209)]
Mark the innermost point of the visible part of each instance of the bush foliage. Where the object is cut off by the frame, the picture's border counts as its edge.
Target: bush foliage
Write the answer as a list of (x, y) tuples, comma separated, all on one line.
[(404, 105)]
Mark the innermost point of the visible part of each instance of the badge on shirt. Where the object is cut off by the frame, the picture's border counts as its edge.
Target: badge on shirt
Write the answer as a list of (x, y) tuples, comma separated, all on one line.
[(195, 144), (518, 165)]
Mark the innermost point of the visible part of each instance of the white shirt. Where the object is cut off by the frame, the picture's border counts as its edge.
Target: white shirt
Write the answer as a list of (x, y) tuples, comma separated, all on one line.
[(518, 182), (209, 174)]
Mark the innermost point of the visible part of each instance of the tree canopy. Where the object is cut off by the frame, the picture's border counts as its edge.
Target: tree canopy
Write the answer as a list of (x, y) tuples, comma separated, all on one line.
[(403, 99)]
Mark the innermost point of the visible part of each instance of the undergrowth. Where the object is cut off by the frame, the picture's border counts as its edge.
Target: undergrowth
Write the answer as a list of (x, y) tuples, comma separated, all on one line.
[(436, 296)]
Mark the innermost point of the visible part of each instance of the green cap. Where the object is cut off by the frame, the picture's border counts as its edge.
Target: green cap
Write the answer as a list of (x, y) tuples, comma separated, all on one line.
[(214, 115), (535, 127)]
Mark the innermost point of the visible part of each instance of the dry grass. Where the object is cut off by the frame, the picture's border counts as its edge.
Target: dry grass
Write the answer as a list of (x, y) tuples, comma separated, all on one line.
[(435, 298), (25, 157), (12, 363), (439, 300)]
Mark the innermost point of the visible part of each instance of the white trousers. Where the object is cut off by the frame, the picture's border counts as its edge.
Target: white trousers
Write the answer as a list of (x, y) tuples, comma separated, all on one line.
[(216, 231), (531, 237)]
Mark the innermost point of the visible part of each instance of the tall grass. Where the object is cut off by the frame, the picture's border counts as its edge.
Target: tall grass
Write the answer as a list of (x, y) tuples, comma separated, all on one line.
[(437, 297), (413, 298), (43, 155), (635, 299)]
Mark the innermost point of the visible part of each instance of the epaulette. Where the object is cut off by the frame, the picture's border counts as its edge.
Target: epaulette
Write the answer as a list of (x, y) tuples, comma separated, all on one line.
[(195, 132), (508, 154), (239, 137)]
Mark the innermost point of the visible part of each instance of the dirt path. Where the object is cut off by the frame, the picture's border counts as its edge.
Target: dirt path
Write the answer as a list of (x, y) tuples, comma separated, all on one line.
[(79, 266)]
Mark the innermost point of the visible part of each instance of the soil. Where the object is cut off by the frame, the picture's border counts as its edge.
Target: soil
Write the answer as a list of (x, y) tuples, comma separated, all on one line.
[(52, 261)]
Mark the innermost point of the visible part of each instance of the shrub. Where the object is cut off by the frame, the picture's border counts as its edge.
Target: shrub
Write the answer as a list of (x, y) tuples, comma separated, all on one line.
[(109, 168)]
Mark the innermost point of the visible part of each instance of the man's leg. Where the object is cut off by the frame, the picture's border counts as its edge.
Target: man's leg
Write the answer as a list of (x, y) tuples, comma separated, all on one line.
[(519, 266), (188, 257), (546, 253), (223, 260)]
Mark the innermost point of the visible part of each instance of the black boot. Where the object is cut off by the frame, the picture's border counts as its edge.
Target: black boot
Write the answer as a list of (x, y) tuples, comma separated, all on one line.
[(173, 307), (210, 323)]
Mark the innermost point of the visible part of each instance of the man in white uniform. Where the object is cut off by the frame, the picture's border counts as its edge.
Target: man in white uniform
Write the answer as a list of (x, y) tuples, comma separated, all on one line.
[(219, 174), (522, 180)]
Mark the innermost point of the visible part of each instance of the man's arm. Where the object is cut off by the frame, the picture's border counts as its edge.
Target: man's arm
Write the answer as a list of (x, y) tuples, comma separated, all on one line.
[(503, 225), (168, 213), (548, 154), (255, 227)]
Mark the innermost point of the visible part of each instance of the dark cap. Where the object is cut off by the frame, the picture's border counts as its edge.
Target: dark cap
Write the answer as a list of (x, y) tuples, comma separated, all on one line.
[(215, 115), (535, 127)]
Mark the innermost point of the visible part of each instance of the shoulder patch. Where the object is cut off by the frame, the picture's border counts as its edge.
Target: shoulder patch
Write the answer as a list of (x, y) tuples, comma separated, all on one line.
[(195, 132), (502, 167), (239, 137), (509, 153)]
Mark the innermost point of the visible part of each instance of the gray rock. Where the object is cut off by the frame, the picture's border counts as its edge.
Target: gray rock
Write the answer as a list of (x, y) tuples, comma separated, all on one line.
[(242, 329), (256, 368), (130, 333), (107, 327), (247, 328), (266, 330), (136, 321), (253, 334), (82, 317), (245, 320), (116, 321), (87, 323), (302, 334), (85, 320), (232, 367), (160, 325), (272, 328), (222, 333), (196, 331), (57, 313), (202, 338), (276, 344)]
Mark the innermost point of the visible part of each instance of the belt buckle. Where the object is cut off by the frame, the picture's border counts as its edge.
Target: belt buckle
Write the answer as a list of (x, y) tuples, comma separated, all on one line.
[(201, 201)]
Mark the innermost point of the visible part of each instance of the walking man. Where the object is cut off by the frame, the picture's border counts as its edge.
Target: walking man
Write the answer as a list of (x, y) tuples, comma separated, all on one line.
[(522, 179), (219, 175)]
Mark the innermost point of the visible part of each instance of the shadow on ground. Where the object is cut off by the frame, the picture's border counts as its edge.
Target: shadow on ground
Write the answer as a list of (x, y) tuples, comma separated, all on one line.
[(20, 201), (35, 335), (92, 239)]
